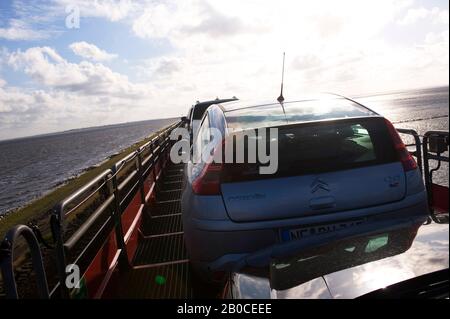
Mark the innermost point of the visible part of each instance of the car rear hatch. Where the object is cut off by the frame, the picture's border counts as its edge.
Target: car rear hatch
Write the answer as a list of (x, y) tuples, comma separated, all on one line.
[(323, 167)]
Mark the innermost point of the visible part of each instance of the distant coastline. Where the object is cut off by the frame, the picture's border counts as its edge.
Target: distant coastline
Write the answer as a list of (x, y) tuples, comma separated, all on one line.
[(37, 210), (83, 129), (32, 167)]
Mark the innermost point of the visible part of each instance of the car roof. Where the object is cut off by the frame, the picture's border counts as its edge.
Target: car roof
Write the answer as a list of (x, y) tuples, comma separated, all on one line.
[(246, 115)]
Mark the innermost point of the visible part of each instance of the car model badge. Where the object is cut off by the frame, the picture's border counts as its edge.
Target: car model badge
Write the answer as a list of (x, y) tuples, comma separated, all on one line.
[(393, 181), (319, 184)]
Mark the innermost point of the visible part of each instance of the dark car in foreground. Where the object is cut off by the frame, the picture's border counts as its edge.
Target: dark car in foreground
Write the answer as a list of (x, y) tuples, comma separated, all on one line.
[(410, 260)]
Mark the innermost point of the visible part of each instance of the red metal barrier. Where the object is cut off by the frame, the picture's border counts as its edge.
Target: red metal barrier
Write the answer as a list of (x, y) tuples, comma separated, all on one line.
[(100, 276), (100, 271), (440, 198)]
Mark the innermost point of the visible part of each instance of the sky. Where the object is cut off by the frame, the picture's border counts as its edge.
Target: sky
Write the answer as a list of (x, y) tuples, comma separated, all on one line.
[(67, 64)]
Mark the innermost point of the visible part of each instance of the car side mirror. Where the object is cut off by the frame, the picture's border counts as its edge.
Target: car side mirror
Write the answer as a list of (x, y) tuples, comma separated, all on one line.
[(438, 144), (184, 119)]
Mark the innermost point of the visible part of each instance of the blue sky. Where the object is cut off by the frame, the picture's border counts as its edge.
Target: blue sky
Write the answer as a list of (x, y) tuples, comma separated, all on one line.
[(133, 60)]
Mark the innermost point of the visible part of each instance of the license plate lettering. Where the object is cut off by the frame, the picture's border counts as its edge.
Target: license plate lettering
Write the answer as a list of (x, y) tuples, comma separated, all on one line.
[(299, 233)]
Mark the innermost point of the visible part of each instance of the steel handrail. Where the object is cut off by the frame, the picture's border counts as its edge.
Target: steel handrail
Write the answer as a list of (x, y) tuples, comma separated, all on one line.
[(417, 143), (7, 262), (155, 146), (427, 156), (84, 228), (109, 178), (62, 205)]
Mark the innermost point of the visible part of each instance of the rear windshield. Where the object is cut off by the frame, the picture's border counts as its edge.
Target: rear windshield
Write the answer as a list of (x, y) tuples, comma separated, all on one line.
[(295, 112), (323, 147)]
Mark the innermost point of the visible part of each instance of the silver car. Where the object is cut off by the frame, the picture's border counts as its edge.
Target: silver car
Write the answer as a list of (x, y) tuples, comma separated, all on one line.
[(342, 169)]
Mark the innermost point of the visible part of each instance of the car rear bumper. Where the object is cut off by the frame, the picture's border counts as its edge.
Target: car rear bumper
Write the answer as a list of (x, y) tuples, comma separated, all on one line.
[(260, 257), (221, 244), (411, 205)]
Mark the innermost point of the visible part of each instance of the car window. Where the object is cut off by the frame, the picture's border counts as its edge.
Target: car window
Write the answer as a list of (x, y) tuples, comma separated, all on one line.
[(202, 139), (313, 148), (295, 112), (203, 135)]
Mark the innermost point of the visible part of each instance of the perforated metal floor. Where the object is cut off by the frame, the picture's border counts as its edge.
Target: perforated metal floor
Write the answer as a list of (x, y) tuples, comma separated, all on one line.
[(165, 282), (163, 225), (161, 267), (163, 249)]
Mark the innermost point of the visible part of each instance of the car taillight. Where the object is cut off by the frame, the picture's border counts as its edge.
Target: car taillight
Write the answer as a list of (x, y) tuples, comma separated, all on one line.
[(208, 182), (405, 157)]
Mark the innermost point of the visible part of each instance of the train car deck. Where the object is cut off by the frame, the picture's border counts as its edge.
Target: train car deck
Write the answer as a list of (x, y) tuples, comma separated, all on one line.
[(161, 264), (128, 239)]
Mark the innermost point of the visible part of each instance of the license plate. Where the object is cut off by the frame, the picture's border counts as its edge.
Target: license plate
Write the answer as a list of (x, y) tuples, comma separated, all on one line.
[(299, 233)]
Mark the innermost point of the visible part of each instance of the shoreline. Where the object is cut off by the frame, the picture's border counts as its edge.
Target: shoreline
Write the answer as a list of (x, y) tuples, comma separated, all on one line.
[(38, 209), (71, 178), (62, 183)]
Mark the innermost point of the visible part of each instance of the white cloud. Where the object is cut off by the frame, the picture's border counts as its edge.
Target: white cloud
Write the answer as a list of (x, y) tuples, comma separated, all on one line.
[(48, 68), (443, 17), (15, 99), (437, 16), (19, 30), (233, 47), (181, 19), (154, 22), (91, 52), (70, 95), (113, 10)]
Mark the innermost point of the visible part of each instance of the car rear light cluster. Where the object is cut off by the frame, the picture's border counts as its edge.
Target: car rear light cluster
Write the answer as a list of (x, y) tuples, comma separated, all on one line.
[(208, 182), (405, 157)]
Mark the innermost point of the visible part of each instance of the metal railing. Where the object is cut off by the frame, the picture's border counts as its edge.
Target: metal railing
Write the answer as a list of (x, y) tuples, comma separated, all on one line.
[(424, 154), (417, 153), (7, 262), (61, 213), (118, 186), (434, 153)]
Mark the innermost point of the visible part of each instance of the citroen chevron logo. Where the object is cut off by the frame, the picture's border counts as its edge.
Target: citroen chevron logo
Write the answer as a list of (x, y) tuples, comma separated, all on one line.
[(319, 184)]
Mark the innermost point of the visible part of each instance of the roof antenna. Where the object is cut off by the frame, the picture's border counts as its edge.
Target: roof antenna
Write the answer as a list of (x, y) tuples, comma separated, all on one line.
[(281, 97)]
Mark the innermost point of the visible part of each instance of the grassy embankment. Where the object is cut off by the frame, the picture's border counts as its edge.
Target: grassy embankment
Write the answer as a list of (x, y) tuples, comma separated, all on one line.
[(37, 211)]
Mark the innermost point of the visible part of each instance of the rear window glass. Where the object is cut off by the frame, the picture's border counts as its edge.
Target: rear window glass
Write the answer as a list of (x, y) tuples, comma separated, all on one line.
[(322, 147), (295, 112)]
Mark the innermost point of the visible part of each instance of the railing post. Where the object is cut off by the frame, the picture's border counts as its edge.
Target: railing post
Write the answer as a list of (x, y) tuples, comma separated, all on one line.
[(56, 225), (141, 177), (152, 164), (418, 152), (428, 174), (426, 168), (7, 262), (117, 216)]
